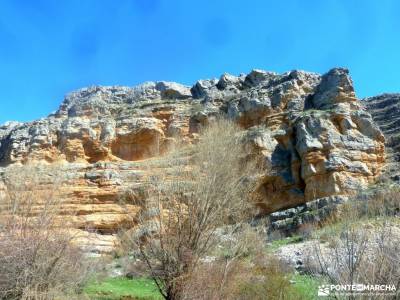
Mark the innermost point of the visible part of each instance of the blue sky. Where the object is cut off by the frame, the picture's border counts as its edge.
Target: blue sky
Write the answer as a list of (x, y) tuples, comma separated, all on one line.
[(49, 47)]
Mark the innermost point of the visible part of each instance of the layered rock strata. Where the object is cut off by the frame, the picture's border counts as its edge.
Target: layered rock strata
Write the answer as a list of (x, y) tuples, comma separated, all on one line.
[(385, 110), (314, 138)]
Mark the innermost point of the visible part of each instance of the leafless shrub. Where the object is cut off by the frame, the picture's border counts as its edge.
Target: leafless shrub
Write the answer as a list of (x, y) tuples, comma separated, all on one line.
[(342, 260), (38, 259), (383, 263), (202, 192), (357, 253), (216, 280), (382, 201), (228, 265), (305, 230), (269, 280), (241, 269)]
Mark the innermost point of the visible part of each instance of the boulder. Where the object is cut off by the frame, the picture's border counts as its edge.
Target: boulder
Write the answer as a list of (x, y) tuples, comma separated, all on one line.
[(173, 90)]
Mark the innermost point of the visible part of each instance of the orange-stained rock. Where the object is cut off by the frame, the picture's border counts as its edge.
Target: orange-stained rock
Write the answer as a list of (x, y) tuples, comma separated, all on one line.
[(311, 133)]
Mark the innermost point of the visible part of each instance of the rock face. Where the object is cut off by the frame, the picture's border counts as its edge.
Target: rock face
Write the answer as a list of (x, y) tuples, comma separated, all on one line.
[(314, 137), (385, 110)]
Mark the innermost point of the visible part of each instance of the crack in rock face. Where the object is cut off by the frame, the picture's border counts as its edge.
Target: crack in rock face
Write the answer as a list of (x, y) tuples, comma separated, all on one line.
[(313, 137)]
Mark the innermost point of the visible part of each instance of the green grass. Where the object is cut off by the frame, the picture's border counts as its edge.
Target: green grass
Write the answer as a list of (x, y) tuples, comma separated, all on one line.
[(306, 286), (118, 288), (275, 245)]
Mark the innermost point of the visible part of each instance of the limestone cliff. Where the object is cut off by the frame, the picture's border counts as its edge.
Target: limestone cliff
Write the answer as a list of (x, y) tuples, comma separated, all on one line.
[(314, 136), (385, 110)]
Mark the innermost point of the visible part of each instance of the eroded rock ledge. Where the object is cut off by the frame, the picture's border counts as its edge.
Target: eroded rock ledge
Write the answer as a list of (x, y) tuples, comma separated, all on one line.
[(315, 138), (385, 110)]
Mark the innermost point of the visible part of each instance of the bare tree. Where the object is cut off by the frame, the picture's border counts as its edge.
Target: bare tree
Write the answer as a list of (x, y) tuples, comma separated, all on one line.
[(208, 185)]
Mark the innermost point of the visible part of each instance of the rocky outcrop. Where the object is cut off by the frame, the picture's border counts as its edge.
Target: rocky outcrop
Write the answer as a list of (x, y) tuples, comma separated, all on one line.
[(289, 221), (313, 136), (385, 110)]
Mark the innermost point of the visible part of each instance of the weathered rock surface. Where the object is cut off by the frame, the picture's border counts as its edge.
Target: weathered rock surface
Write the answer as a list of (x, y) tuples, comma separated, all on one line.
[(385, 110), (289, 221), (313, 135)]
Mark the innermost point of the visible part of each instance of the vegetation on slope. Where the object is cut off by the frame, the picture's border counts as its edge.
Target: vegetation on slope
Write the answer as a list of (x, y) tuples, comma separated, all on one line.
[(123, 288)]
